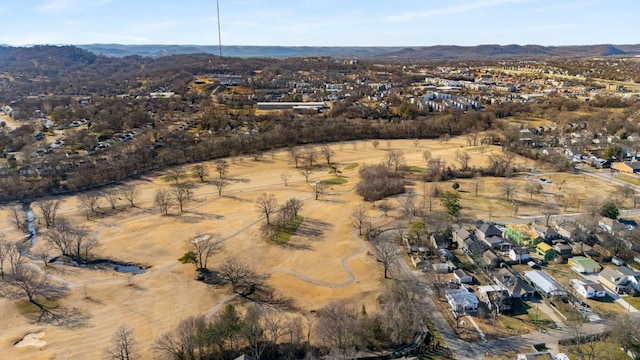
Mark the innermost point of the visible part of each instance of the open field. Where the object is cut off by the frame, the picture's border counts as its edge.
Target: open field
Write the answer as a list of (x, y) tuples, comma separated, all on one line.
[(328, 263)]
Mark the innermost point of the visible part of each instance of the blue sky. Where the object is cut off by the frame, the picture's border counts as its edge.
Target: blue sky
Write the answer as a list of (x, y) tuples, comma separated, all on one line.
[(321, 22)]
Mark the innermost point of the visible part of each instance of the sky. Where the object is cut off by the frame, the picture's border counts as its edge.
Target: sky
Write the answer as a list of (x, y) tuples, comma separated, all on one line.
[(320, 22)]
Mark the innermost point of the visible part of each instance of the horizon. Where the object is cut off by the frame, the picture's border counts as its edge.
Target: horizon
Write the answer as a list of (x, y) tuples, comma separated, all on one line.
[(329, 23)]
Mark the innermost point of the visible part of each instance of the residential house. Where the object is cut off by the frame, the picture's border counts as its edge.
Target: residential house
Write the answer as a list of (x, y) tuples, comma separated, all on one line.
[(563, 249), (441, 268), (622, 279), (462, 301), (490, 258), (588, 289), (544, 284), (520, 254), (467, 241), (583, 265), (545, 250), (516, 287), (441, 241), (486, 230), (548, 233), (610, 225), (462, 277), (629, 167), (535, 356), (581, 248), (495, 296), (565, 229)]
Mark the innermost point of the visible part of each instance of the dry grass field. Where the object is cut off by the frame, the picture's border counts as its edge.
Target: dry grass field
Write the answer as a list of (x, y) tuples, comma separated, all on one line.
[(310, 271)]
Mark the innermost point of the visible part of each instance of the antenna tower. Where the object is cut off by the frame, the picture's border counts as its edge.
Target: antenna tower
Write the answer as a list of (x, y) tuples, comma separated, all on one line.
[(219, 33)]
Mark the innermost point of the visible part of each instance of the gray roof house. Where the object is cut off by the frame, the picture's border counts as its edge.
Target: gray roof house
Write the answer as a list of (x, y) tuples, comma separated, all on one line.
[(462, 301), (516, 287), (544, 284)]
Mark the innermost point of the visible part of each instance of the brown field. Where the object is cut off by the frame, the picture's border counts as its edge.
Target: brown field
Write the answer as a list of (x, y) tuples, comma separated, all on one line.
[(311, 273)]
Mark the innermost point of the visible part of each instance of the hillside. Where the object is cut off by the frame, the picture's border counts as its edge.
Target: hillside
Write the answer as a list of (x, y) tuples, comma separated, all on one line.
[(439, 52)]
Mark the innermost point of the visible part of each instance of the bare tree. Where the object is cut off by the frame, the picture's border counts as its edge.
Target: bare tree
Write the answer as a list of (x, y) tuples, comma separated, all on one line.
[(359, 218), (285, 178), (222, 168), (295, 155), (179, 193), (5, 248), (291, 208), (176, 174), (533, 188), (337, 327), (253, 331), (407, 203), (236, 273), (375, 144), (472, 137), (89, 201), (306, 172), (385, 207), (387, 255), (593, 206), (327, 153), (318, 188), (426, 155), (310, 155), (200, 171), (112, 197), (395, 159), (16, 218), (508, 189), (204, 245), (267, 204), (220, 184), (49, 209), (548, 210), (129, 192), (164, 200), (32, 283), (124, 345), (462, 157)]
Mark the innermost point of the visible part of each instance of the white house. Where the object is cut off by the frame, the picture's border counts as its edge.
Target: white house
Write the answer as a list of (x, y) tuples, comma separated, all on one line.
[(519, 254), (588, 289), (462, 301), (462, 276)]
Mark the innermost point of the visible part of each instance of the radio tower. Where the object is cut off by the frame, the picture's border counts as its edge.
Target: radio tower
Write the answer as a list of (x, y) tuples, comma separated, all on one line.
[(219, 34)]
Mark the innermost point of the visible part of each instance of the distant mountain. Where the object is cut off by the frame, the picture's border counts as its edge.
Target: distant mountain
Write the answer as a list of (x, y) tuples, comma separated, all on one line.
[(440, 52)]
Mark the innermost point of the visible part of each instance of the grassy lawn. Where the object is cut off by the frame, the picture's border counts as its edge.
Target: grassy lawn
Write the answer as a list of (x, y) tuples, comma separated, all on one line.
[(633, 301), (351, 166), (30, 310), (628, 179), (335, 181), (600, 349), (414, 169), (531, 316), (563, 274), (289, 230), (483, 148)]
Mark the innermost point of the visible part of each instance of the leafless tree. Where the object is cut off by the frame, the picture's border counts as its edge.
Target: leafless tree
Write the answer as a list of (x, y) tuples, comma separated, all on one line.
[(375, 144), (395, 159), (407, 203), (593, 206), (318, 188), (291, 208), (462, 157), (187, 342), (434, 169), (123, 345), (310, 155), (44, 253), (89, 201), (508, 189), (236, 273), (129, 192), (387, 255), (200, 171), (5, 248), (32, 283), (548, 210), (176, 175), (472, 137), (267, 204), (179, 193), (285, 178), (295, 155), (625, 193), (359, 218), (337, 327), (164, 200), (327, 153), (204, 245), (222, 168), (427, 156), (306, 172), (533, 188), (49, 209), (112, 197), (16, 218), (385, 207), (220, 184)]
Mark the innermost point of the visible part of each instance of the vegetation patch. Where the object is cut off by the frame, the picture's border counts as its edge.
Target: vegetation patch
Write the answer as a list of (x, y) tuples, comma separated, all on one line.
[(290, 229), (335, 181), (628, 179), (29, 309), (414, 169), (351, 166)]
